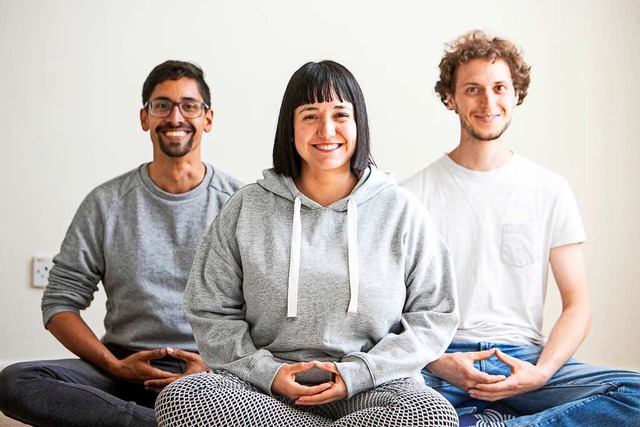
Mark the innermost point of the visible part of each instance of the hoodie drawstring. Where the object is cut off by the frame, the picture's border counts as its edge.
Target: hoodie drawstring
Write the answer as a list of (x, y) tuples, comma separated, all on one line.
[(354, 273), (294, 266)]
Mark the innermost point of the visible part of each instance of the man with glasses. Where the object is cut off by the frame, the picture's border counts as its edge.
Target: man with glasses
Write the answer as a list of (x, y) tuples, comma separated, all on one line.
[(137, 234)]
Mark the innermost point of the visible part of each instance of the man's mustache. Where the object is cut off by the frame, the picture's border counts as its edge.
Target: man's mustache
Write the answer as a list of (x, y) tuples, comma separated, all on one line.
[(186, 127)]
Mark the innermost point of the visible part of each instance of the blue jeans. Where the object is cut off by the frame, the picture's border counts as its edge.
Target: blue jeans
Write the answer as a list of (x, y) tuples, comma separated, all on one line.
[(72, 392), (577, 395)]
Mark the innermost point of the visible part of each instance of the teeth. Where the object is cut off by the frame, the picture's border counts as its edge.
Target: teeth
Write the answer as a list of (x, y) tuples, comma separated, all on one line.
[(327, 147), (175, 133)]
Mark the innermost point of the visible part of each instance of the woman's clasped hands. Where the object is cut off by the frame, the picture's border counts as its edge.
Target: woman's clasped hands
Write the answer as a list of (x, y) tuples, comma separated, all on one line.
[(285, 384)]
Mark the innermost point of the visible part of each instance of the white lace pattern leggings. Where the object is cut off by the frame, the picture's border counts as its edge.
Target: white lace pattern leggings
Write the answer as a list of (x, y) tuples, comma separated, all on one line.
[(218, 398)]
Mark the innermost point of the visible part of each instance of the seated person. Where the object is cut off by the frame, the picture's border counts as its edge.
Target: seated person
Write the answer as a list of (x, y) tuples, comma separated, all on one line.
[(320, 291), (137, 234), (505, 220)]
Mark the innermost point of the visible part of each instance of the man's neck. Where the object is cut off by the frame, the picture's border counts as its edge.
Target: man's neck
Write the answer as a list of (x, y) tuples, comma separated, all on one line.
[(481, 156), (177, 176)]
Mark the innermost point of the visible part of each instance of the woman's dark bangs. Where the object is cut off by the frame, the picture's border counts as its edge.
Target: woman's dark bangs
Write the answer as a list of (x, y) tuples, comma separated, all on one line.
[(321, 85)]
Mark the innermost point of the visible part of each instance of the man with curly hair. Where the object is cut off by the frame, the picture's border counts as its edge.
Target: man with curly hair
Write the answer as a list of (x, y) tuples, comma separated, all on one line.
[(507, 219)]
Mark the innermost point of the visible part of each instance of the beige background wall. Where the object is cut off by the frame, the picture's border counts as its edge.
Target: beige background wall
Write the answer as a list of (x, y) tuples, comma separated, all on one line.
[(72, 72)]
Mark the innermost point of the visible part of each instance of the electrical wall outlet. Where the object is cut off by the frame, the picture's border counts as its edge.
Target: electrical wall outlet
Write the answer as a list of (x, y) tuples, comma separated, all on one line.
[(40, 272)]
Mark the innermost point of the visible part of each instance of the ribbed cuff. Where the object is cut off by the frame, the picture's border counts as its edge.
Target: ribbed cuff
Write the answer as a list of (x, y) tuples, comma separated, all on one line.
[(263, 372), (356, 374)]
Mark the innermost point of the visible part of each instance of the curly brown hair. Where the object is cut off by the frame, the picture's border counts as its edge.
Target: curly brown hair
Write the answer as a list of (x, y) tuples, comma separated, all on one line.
[(477, 44)]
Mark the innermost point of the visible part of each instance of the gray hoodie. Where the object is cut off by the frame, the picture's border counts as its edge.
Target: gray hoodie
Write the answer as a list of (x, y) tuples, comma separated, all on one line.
[(365, 282)]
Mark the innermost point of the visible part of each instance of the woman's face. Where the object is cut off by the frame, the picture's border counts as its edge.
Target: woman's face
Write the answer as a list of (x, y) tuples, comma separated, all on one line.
[(325, 135)]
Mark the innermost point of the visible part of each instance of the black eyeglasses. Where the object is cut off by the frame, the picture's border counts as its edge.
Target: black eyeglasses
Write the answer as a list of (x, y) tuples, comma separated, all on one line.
[(190, 109)]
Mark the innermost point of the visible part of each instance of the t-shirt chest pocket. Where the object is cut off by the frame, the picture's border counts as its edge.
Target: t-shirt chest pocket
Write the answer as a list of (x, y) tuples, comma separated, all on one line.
[(521, 244)]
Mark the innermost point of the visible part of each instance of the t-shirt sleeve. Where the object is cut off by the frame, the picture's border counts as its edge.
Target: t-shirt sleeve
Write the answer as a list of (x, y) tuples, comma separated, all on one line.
[(567, 227)]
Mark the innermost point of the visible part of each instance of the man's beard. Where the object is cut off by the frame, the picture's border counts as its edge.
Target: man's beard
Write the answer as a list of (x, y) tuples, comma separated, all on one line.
[(175, 149), (480, 136)]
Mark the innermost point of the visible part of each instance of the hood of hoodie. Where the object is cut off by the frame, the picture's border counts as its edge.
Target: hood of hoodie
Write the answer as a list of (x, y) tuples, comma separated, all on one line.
[(370, 183)]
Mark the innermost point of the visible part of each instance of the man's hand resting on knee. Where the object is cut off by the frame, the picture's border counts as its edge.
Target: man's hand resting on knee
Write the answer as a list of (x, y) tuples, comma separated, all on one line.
[(194, 363), (458, 370), (524, 377)]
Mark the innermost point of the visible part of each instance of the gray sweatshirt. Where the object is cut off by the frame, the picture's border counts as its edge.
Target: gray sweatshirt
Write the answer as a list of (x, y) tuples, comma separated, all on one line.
[(365, 282), (140, 242)]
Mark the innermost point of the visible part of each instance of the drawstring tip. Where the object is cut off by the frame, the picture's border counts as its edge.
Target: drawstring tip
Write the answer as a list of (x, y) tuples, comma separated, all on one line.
[(291, 319)]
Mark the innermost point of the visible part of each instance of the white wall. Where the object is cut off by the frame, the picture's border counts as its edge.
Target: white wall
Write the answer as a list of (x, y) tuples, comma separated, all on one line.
[(72, 72)]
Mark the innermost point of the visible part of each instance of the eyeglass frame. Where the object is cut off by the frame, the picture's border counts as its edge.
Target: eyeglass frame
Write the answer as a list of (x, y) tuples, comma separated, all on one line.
[(147, 106)]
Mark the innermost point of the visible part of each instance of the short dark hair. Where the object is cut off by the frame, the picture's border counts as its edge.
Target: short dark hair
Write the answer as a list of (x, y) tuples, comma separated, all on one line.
[(175, 70), (319, 82), (477, 44)]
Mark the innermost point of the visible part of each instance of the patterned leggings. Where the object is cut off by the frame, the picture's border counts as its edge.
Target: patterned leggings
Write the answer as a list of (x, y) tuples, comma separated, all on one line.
[(219, 398)]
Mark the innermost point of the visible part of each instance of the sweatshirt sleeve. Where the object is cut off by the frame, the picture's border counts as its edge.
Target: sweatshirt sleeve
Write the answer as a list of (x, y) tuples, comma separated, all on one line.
[(215, 307), (79, 266), (429, 319)]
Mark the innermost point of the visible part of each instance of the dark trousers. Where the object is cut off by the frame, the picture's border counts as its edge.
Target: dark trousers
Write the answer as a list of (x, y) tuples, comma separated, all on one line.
[(72, 392)]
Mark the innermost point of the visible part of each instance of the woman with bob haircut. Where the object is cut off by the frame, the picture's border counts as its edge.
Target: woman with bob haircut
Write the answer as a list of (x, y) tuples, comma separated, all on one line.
[(319, 292)]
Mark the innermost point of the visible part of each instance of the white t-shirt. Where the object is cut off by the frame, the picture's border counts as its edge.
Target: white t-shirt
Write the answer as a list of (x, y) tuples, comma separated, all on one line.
[(500, 226)]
